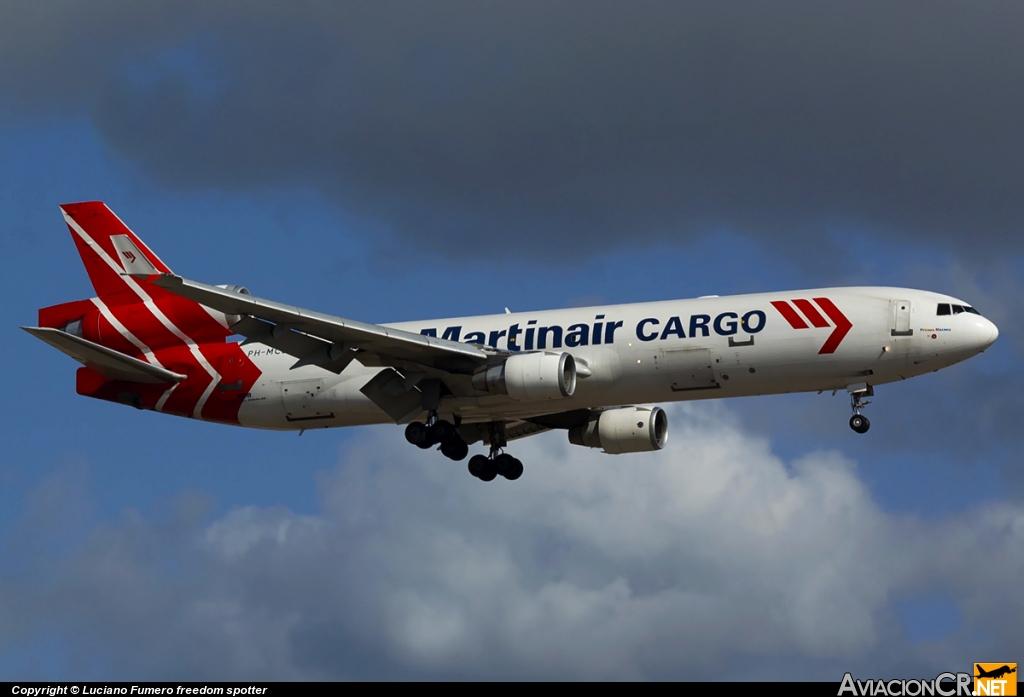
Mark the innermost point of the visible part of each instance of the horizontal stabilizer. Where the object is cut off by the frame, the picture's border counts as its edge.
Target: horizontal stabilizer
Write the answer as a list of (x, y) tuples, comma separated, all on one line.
[(113, 364)]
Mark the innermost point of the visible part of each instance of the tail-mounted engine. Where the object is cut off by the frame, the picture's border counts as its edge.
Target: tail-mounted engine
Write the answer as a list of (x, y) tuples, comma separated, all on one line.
[(624, 430), (230, 320), (530, 377)]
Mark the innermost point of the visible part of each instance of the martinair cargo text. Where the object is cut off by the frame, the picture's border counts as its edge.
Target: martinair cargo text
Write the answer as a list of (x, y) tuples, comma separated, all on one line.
[(154, 340)]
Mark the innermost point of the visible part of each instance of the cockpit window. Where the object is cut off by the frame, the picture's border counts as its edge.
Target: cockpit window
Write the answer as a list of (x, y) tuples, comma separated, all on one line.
[(948, 309)]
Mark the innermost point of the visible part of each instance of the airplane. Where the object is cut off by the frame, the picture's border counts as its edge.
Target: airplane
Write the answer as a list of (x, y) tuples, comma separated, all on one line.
[(994, 673), (154, 340)]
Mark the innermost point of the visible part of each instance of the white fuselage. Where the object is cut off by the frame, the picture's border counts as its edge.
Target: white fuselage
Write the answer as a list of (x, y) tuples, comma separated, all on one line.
[(659, 352)]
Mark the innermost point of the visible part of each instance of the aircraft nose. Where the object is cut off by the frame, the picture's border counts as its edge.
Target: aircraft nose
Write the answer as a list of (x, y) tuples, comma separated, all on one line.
[(988, 332)]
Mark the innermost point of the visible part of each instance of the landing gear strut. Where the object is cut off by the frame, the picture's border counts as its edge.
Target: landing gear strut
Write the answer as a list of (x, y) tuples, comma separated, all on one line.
[(859, 422)]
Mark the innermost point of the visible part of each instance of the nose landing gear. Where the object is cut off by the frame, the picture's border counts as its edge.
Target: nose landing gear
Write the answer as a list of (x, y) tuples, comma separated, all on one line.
[(859, 422)]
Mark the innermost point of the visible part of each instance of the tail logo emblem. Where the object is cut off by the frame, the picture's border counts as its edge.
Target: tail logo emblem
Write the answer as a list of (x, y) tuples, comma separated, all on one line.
[(130, 256), (812, 315)]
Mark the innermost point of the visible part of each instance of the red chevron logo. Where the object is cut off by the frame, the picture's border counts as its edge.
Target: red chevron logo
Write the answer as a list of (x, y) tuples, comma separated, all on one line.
[(810, 312)]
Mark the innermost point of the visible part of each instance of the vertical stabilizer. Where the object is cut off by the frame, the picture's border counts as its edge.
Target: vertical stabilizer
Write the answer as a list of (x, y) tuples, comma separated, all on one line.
[(108, 248)]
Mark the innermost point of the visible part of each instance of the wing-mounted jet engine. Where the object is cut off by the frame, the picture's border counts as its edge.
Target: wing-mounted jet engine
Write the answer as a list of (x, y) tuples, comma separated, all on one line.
[(623, 430), (530, 377)]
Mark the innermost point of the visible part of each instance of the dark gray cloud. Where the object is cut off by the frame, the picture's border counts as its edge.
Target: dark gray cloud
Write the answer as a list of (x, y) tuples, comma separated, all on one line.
[(572, 126), (712, 559)]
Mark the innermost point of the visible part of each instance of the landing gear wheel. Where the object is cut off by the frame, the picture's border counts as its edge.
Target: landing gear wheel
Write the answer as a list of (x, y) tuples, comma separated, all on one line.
[(860, 423), (455, 449), (417, 433), (482, 468), (503, 464), (477, 464), (442, 431), (514, 471), (488, 472)]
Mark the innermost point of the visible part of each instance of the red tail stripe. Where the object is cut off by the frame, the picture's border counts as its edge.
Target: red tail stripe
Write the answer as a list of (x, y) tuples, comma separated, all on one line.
[(790, 315), (811, 313), (843, 325), (181, 332)]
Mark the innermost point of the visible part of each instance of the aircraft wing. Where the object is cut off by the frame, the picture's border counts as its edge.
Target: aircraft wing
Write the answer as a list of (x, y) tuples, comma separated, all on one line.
[(325, 340), (103, 360)]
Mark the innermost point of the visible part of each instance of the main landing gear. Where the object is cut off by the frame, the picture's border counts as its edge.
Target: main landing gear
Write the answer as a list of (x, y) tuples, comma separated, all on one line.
[(859, 422), (486, 468), (437, 431)]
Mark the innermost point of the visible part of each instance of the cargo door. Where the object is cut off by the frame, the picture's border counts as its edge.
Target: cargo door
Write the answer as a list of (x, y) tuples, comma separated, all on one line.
[(687, 368), (304, 400)]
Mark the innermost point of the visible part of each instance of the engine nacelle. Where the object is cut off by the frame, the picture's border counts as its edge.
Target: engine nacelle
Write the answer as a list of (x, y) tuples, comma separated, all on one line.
[(530, 377), (624, 430), (231, 320), (241, 290)]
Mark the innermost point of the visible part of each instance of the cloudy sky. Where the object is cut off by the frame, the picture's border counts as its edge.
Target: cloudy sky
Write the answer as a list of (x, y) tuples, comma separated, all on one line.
[(391, 161)]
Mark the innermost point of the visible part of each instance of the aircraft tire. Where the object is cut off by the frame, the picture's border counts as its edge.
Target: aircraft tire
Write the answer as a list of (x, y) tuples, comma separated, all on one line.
[(503, 463), (860, 423), (477, 464), (442, 431), (455, 449), (417, 433), (514, 471), (488, 472)]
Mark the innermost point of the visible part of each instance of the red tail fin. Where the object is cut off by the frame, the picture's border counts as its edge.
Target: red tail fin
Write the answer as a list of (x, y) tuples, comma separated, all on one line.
[(130, 314), (137, 318), (108, 248)]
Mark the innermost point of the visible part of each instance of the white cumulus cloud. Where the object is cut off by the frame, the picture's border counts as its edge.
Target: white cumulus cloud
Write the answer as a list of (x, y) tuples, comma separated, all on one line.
[(692, 562)]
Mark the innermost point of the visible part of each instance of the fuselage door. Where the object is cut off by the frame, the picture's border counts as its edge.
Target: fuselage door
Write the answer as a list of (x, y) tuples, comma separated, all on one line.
[(303, 399), (688, 369), (901, 318)]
